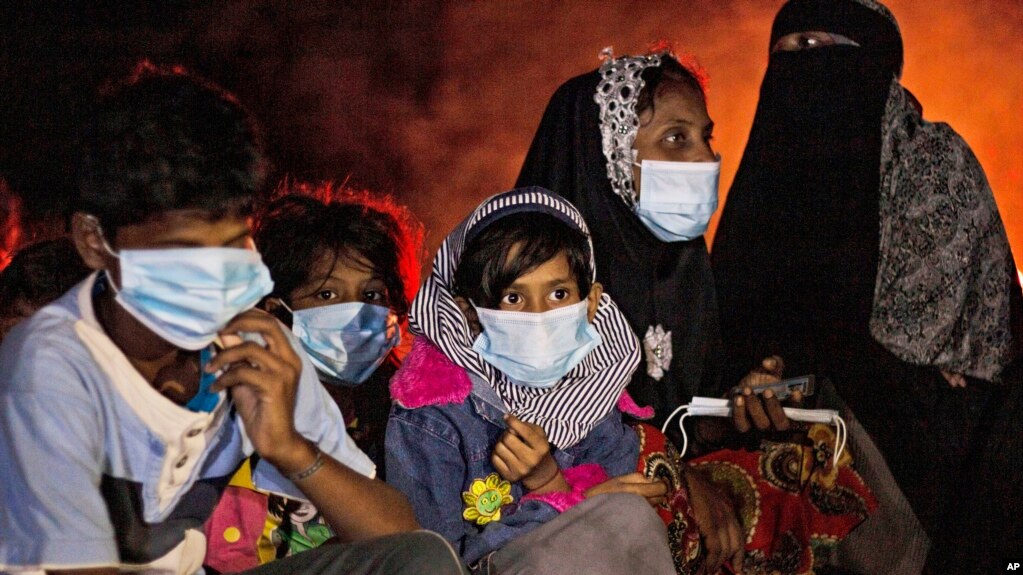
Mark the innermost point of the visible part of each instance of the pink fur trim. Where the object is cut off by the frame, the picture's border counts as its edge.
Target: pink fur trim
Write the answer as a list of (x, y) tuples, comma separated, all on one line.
[(428, 377), (579, 479), (628, 405), (585, 476), (561, 501)]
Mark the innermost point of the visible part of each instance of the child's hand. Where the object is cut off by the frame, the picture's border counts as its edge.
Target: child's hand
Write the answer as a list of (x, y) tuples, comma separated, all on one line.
[(263, 382), (523, 454), (762, 411), (654, 490)]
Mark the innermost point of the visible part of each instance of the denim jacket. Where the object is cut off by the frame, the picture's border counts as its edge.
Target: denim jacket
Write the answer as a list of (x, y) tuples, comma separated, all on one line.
[(440, 437)]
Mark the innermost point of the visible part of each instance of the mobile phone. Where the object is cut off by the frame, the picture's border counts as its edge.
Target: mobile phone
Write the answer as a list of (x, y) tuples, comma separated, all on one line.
[(782, 389), (204, 400)]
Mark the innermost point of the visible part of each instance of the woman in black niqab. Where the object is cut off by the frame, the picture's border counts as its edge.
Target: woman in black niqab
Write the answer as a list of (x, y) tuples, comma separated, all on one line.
[(862, 243), (795, 254), (657, 284)]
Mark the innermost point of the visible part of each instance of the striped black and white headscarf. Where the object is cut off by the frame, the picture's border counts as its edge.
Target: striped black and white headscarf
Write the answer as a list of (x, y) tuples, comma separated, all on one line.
[(568, 410)]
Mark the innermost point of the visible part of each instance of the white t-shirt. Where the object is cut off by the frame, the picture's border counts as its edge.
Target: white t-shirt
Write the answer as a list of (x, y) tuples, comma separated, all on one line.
[(98, 469)]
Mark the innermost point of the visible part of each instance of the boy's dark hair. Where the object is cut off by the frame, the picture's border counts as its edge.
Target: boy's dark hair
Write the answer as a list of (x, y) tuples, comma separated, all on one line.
[(306, 221), (164, 140), (483, 273), (671, 69), (40, 273)]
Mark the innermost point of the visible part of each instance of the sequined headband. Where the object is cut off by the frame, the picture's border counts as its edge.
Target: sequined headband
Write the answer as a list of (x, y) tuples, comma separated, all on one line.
[(621, 80)]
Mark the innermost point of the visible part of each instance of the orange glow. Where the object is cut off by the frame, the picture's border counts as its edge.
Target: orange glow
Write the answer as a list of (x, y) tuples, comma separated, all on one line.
[(10, 224), (962, 62), (436, 103)]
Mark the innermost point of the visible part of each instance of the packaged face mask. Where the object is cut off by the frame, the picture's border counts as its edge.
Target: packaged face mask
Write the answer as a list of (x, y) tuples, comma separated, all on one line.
[(717, 407), (677, 199), (536, 349), (346, 341), (187, 295)]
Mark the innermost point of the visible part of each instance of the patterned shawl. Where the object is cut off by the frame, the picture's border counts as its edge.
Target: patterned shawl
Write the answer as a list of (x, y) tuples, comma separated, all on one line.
[(945, 272), (936, 289)]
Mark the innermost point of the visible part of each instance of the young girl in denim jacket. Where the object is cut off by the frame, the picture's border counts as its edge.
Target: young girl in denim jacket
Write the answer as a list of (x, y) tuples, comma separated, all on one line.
[(505, 434)]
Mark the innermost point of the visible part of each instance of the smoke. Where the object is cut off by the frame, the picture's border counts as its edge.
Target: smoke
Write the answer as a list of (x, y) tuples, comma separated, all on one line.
[(502, 63), (436, 102)]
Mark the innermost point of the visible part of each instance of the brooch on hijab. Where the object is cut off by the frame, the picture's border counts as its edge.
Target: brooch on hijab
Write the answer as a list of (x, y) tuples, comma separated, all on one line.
[(657, 350)]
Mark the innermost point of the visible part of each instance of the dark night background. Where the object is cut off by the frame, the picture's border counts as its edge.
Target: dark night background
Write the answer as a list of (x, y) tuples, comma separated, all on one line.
[(436, 102)]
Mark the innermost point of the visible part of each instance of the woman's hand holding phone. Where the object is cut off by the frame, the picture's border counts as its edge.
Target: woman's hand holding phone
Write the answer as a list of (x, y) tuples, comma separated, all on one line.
[(757, 406)]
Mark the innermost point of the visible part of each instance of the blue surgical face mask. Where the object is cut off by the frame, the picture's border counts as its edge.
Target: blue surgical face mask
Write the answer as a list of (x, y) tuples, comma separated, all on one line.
[(677, 199), (187, 295), (346, 341), (536, 349)]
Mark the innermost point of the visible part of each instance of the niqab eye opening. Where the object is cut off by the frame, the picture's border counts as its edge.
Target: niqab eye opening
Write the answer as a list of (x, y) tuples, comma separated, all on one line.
[(807, 40)]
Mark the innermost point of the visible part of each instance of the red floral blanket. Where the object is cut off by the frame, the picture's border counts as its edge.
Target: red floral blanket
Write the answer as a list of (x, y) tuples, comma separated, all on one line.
[(794, 503)]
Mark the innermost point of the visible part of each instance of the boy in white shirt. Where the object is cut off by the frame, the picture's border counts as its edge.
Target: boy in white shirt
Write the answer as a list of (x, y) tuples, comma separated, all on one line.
[(127, 404)]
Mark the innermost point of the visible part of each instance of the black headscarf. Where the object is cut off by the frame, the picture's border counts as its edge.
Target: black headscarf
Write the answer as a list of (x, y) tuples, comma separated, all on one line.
[(653, 282), (796, 248), (851, 217), (862, 243)]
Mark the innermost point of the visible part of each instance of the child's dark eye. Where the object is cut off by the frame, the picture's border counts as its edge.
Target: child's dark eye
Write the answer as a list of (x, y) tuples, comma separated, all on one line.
[(511, 299), (374, 296), (559, 294), (325, 295)]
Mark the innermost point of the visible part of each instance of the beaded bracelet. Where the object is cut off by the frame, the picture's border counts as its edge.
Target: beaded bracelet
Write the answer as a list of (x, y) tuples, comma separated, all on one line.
[(317, 464)]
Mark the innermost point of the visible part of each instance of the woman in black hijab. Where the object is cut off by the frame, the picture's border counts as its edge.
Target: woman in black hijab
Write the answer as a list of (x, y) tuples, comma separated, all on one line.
[(863, 243), (630, 145), (658, 269)]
